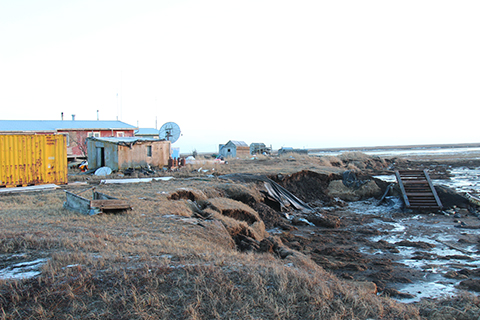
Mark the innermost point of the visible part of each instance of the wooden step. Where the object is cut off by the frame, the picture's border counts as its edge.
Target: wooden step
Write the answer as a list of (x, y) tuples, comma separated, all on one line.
[(417, 189)]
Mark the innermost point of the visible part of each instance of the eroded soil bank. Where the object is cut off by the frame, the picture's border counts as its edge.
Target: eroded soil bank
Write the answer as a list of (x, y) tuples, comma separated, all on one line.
[(405, 254)]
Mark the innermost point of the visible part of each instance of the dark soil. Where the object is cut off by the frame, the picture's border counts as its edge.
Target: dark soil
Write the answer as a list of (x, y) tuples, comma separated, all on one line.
[(345, 247)]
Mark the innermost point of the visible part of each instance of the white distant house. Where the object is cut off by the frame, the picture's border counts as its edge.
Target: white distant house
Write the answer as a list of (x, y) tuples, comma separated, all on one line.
[(234, 149)]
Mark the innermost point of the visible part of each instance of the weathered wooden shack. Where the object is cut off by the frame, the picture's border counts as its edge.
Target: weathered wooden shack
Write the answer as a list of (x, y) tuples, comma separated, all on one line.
[(259, 148), (234, 149), (124, 153)]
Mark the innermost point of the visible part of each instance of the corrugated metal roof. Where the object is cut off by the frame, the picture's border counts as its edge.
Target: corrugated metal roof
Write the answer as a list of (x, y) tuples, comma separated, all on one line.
[(239, 143), (53, 125), (124, 139), (147, 131)]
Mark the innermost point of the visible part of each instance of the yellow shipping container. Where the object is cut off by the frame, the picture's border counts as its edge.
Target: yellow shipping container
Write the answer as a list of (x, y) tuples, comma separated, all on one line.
[(30, 159)]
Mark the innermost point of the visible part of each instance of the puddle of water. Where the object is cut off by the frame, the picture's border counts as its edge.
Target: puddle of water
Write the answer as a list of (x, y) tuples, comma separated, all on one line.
[(371, 207), (420, 151), (434, 284), (428, 289), (428, 229), (463, 180)]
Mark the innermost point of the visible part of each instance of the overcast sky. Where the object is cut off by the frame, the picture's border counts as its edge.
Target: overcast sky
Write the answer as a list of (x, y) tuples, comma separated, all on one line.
[(286, 73)]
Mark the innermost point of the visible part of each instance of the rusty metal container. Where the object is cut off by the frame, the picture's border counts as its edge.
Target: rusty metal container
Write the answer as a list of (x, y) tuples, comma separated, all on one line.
[(29, 159)]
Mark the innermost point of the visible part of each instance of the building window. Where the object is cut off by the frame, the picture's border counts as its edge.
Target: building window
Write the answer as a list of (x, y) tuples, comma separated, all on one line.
[(120, 134), (95, 134), (67, 136), (149, 151)]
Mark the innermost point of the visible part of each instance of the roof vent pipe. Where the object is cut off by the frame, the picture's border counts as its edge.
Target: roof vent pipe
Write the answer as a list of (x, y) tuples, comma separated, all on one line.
[(97, 116), (73, 117), (62, 116)]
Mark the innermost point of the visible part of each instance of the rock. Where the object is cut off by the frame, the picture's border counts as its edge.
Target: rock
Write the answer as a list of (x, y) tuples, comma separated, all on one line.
[(269, 245), (284, 252), (470, 272), (470, 284), (424, 256), (245, 243), (326, 222), (337, 189), (395, 293), (415, 244), (454, 275), (370, 231)]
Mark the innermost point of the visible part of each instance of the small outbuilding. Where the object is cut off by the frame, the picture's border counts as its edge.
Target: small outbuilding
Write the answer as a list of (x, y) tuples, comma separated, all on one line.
[(124, 153), (234, 149), (259, 148)]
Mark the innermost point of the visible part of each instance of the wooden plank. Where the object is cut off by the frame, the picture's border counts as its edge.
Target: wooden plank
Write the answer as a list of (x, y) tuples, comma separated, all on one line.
[(419, 194), (109, 204), (402, 188), (29, 188), (433, 189), (420, 182)]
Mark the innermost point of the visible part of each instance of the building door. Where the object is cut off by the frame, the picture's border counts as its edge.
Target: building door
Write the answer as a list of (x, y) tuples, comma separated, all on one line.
[(100, 157)]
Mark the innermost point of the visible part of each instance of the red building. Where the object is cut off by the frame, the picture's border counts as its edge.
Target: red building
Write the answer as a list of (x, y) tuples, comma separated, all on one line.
[(76, 131)]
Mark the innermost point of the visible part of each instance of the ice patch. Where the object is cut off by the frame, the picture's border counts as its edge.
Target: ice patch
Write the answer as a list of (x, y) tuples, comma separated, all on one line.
[(431, 290), (22, 270), (397, 227)]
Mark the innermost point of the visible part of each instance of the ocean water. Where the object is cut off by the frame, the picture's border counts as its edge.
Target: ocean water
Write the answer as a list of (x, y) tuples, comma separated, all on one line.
[(423, 151)]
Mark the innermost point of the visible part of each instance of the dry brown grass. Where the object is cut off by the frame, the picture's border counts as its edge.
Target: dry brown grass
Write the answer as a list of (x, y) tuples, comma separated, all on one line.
[(155, 262)]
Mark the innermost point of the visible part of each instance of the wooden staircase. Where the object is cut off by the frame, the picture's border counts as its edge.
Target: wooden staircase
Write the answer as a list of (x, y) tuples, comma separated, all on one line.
[(417, 190)]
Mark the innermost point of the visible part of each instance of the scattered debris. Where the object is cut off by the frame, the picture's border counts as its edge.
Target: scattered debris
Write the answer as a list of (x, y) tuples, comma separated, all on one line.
[(473, 199), (103, 171), (29, 188), (83, 166), (385, 194), (101, 203), (134, 180), (285, 197)]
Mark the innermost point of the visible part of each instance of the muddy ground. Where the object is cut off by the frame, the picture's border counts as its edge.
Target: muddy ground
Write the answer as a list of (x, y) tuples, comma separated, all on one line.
[(408, 255)]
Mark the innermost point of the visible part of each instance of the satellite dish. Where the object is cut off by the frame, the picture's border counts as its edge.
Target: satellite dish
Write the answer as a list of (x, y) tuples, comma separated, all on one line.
[(170, 131)]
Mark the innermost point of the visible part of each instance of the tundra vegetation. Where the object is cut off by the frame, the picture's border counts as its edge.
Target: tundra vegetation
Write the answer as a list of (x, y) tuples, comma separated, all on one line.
[(177, 254)]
